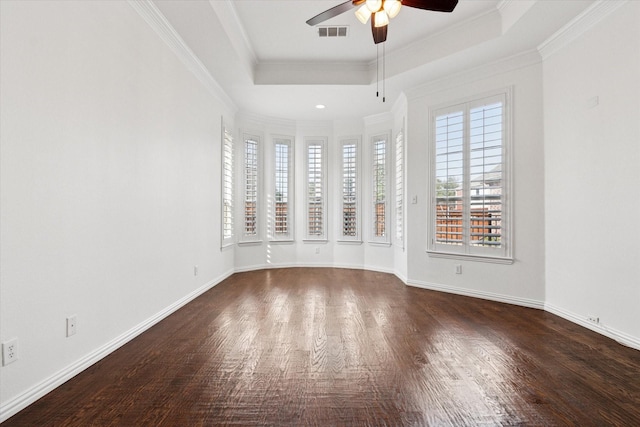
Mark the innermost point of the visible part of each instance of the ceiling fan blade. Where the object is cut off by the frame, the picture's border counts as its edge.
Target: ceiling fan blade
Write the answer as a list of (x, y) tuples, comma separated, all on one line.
[(334, 11), (379, 33), (435, 5)]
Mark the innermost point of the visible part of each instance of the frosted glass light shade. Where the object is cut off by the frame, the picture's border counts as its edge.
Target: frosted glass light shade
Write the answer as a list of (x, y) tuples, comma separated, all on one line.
[(392, 7), (374, 5), (363, 14), (381, 19)]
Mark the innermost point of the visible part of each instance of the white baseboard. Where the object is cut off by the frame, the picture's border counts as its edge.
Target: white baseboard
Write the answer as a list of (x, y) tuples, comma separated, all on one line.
[(23, 400), (18, 403), (620, 337), (313, 265), (525, 302)]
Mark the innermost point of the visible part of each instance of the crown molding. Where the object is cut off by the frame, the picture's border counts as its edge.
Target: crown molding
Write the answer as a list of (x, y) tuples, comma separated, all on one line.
[(504, 4), (161, 26), (379, 119), (578, 26), (248, 118), (312, 72), (236, 32), (453, 39), (484, 71)]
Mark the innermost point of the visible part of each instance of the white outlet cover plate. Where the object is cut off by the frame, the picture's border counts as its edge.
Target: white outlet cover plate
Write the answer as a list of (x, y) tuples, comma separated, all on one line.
[(9, 351)]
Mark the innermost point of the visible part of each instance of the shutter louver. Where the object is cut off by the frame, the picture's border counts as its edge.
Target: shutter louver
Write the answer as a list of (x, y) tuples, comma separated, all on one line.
[(400, 187), (282, 165), (469, 182), (251, 188), (379, 187), (349, 186), (227, 185), (449, 178), (315, 191), (485, 186)]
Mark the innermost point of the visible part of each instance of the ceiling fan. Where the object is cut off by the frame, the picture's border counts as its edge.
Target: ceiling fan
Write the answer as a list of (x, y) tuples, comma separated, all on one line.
[(380, 11)]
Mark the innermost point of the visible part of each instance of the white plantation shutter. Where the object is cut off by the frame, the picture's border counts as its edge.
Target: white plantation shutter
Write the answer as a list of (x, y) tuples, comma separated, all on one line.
[(380, 232), (449, 179), (469, 185), (400, 188), (283, 191), (251, 188), (485, 176), (349, 189), (315, 191), (227, 186)]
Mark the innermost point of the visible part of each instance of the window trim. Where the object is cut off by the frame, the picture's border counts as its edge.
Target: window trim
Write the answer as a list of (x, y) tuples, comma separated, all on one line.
[(323, 142), (256, 237), (290, 235), (504, 255), (357, 141), (386, 238), (227, 180)]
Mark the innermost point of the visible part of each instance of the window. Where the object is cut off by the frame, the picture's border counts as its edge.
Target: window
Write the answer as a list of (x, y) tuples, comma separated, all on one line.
[(282, 207), (251, 188), (315, 192), (469, 187), (400, 189), (227, 186), (380, 232), (349, 211)]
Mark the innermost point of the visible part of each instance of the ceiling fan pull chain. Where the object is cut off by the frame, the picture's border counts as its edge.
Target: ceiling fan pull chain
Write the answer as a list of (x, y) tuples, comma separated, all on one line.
[(377, 70), (383, 71)]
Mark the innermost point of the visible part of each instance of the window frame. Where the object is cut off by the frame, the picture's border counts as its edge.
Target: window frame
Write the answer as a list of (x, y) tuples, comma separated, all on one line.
[(504, 253), (227, 186), (256, 236), (274, 235), (323, 143), (374, 237), (357, 237)]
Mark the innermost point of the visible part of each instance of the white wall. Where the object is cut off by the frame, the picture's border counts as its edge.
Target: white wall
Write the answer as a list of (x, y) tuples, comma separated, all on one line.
[(109, 185), (523, 281), (592, 175)]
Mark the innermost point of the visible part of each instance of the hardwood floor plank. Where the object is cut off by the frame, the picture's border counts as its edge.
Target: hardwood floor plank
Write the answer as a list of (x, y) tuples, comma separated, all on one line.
[(333, 347)]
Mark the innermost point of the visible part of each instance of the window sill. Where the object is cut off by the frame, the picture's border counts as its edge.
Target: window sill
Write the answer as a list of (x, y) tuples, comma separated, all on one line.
[(315, 241), (467, 257), (386, 244), (281, 241), (349, 242), (250, 243)]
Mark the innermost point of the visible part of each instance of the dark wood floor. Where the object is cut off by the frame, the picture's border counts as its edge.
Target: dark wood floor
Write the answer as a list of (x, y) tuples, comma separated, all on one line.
[(333, 347)]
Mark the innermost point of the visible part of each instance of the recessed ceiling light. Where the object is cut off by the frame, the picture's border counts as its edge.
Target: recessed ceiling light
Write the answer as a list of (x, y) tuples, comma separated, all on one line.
[(320, 106)]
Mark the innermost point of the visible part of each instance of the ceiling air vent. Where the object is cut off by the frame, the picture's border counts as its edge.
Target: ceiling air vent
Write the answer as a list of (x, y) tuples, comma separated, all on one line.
[(333, 31)]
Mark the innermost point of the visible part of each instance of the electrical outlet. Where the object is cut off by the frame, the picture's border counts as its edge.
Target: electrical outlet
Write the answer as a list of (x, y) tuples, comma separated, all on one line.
[(9, 351), (317, 251), (458, 269), (195, 270), (72, 325), (593, 319)]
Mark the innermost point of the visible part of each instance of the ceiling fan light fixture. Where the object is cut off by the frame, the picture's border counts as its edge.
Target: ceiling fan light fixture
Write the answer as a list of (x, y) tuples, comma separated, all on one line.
[(392, 7), (381, 19), (374, 5), (363, 14)]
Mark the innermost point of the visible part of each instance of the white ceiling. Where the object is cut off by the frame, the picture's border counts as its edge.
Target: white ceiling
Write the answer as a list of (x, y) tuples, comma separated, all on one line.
[(271, 63)]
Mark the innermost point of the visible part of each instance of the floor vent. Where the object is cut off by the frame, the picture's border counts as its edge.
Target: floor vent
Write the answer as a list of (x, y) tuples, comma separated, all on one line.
[(333, 31)]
